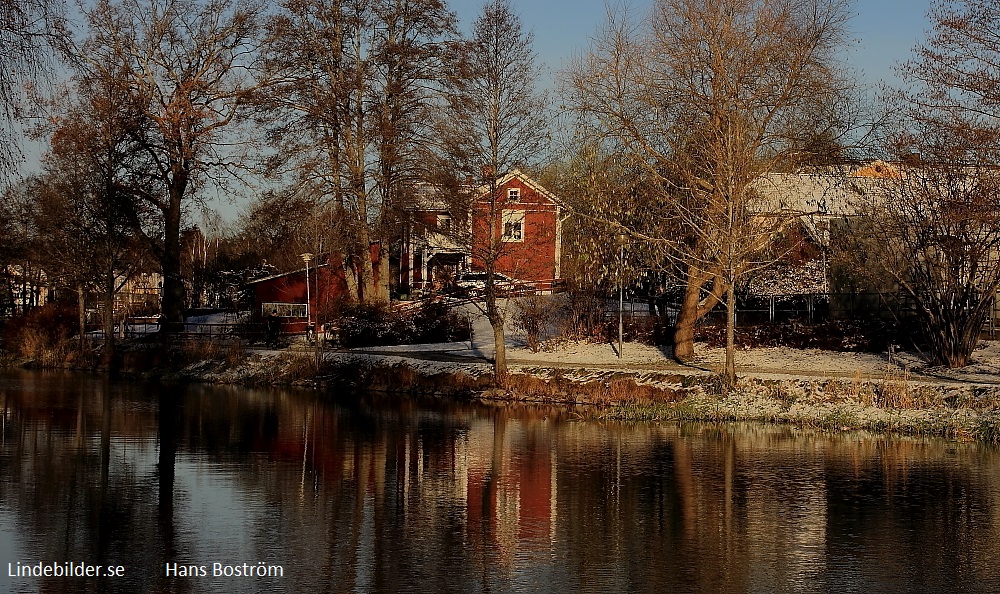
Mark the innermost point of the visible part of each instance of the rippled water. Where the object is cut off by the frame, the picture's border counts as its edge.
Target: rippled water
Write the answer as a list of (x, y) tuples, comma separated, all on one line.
[(349, 493)]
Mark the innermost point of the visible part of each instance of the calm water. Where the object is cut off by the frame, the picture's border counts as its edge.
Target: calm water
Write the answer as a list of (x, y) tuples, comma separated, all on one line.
[(377, 495)]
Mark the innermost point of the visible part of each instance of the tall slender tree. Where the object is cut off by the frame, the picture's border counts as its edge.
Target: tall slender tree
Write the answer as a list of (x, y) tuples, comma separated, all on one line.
[(494, 122), (88, 212)]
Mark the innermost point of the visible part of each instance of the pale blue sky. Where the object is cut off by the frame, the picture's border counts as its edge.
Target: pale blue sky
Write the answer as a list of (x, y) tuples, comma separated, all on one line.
[(884, 30)]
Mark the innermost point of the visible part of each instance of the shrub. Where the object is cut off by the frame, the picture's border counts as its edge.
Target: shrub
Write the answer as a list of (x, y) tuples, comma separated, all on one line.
[(367, 325), (376, 325), (862, 335), (532, 316), (436, 322), (40, 331), (584, 316)]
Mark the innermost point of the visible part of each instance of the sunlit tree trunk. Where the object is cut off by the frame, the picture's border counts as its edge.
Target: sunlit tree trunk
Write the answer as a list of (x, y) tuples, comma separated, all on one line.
[(693, 308), (730, 374), (494, 123)]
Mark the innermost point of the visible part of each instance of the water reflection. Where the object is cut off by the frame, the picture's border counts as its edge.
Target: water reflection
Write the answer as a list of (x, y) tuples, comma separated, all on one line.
[(380, 495)]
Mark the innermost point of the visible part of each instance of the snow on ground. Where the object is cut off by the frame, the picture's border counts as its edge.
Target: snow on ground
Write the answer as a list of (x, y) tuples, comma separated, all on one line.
[(473, 368), (779, 360), (775, 362), (595, 354), (806, 361), (765, 362), (985, 366)]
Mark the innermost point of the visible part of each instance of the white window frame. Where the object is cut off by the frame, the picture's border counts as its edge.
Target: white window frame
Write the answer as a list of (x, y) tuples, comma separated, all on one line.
[(513, 195), (444, 223), (512, 227)]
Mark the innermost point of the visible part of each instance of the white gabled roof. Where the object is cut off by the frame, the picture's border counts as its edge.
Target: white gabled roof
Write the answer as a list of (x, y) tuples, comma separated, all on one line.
[(428, 198), (281, 274), (443, 243), (812, 193), (483, 190)]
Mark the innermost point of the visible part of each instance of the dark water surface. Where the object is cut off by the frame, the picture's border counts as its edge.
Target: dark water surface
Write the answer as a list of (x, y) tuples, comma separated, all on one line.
[(370, 494)]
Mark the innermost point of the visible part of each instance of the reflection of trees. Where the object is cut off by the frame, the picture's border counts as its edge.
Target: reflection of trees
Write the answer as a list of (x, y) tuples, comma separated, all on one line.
[(168, 420), (900, 510), (384, 495), (74, 498), (752, 509)]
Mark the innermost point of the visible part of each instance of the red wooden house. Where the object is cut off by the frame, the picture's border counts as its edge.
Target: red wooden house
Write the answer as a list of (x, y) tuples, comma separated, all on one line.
[(527, 233)]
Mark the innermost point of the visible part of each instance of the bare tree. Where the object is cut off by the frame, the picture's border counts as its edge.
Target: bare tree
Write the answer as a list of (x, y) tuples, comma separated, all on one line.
[(494, 122), (185, 68), (937, 229), (936, 220), (708, 96), (89, 214), (353, 79), (26, 27)]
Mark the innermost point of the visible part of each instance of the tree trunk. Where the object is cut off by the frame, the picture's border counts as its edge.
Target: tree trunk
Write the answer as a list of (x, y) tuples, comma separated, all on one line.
[(172, 302), (383, 276), (108, 353), (684, 327), (500, 352), (953, 344), (692, 308), (367, 279), (351, 278), (365, 265), (730, 375), (81, 304)]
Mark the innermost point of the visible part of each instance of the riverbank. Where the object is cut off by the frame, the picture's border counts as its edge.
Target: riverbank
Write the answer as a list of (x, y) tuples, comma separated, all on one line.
[(876, 396), (807, 388)]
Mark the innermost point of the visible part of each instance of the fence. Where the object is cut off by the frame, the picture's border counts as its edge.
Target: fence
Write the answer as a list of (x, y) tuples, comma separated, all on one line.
[(203, 331), (814, 307)]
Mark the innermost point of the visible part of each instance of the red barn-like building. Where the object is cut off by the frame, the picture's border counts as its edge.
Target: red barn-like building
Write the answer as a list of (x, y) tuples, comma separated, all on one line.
[(527, 227), (286, 293)]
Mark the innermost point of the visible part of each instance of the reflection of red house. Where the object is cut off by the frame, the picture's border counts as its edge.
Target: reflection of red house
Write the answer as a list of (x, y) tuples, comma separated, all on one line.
[(286, 293), (527, 229), (510, 490)]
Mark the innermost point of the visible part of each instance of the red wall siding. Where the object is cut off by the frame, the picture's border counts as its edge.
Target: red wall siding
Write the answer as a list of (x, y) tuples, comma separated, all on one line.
[(328, 284), (532, 259)]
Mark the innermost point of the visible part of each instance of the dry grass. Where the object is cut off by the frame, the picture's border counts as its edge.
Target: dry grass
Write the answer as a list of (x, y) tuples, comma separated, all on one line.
[(612, 390), (43, 351), (896, 391), (231, 352)]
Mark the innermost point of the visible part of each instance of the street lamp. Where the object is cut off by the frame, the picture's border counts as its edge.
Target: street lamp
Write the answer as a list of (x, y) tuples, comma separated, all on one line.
[(307, 257)]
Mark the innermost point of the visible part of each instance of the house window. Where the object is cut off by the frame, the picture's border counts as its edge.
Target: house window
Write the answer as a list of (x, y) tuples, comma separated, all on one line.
[(513, 225), (284, 310), (444, 223), (513, 195)]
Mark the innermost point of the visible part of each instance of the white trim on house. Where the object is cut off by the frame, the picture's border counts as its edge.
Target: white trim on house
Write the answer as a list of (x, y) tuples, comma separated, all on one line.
[(484, 190), (558, 254)]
